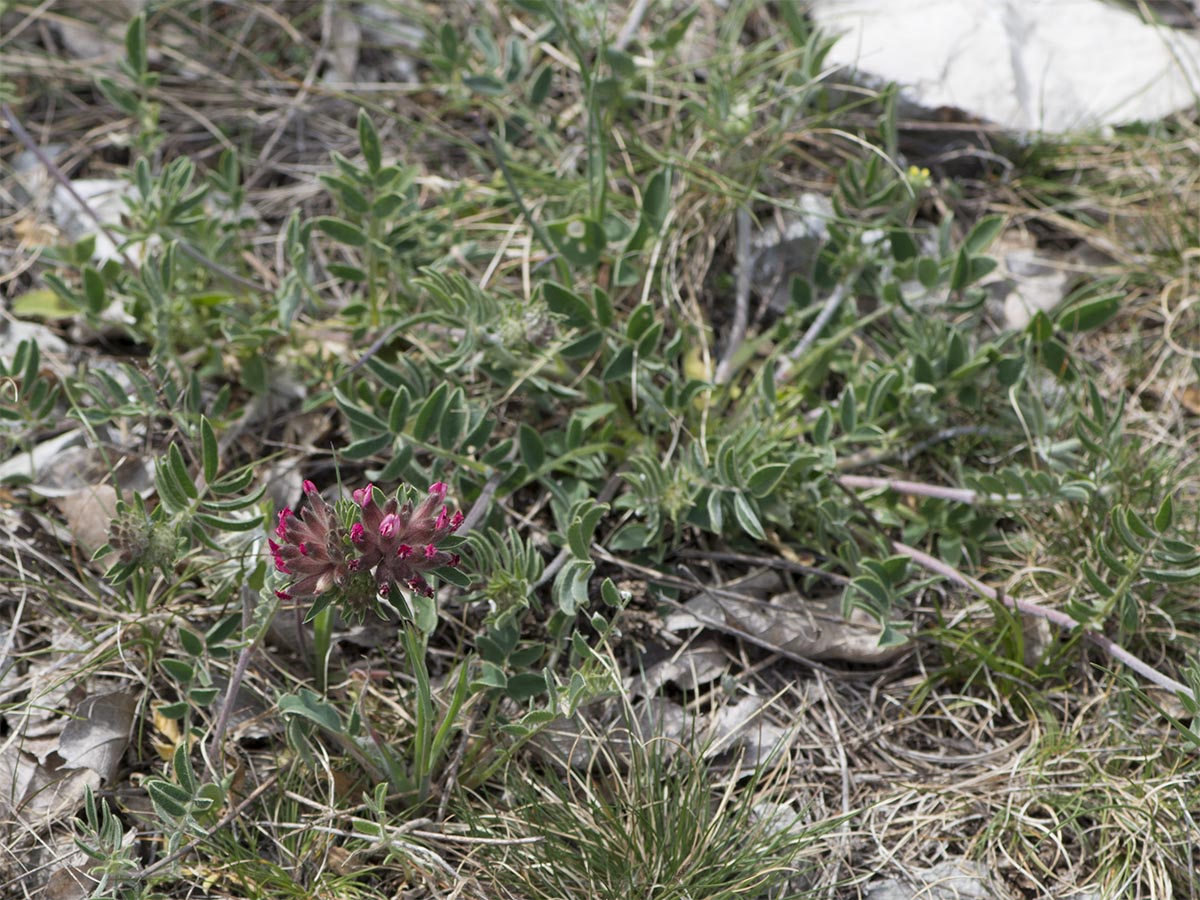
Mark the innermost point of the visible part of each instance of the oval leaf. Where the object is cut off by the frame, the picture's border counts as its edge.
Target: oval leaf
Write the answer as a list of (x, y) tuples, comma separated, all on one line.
[(982, 235), (747, 517), (341, 230), (763, 481), (208, 450), (368, 140), (533, 450)]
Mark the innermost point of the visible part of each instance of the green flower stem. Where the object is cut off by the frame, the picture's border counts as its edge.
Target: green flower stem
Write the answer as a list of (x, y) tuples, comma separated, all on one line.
[(322, 641), (140, 587), (414, 648), (431, 738)]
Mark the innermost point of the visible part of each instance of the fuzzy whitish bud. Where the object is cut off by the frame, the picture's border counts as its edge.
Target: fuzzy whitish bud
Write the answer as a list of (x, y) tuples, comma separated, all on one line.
[(138, 539), (163, 546), (129, 536)]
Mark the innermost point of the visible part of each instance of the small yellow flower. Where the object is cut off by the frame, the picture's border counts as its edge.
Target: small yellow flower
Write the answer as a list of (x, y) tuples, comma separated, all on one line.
[(918, 177)]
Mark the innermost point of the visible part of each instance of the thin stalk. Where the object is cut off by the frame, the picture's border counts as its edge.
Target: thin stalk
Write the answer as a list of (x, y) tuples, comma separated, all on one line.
[(1028, 607), (560, 264), (1057, 617), (784, 367), (920, 489), (597, 163), (217, 746), (741, 315), (57, 174)]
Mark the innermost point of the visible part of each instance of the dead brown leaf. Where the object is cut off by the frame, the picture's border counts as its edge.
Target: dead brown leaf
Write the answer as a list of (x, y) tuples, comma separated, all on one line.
[(69, 883), (59, 469), (689, 668), (37, 795), (97, 736), (17, 770), (796, 626), (43, 780), (88, 513)]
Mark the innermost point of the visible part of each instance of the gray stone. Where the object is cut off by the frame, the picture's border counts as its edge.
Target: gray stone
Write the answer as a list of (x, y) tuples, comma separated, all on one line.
[(1029, 66), (779, 254), (953, 880)]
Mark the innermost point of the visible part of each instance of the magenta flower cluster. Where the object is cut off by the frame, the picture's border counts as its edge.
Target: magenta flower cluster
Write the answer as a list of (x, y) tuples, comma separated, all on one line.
[(387, 546)]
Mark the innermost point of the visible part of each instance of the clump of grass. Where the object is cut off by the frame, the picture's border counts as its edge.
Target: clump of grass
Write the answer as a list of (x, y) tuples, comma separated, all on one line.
[(1096, 807), (647, 819)]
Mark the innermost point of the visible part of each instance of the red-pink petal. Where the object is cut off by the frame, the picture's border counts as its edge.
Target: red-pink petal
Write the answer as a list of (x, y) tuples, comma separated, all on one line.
[(281, 529)]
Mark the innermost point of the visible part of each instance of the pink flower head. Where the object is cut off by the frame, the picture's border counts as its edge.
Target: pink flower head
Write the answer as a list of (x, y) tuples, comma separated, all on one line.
[(371, 556)]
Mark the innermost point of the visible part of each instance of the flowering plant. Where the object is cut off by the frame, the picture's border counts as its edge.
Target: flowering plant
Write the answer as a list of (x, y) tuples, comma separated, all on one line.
[(367, 552), (355, 555)]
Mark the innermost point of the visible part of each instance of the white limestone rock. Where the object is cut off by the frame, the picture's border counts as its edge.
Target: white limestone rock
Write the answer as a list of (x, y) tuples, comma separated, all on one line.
[(1047, 66)]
